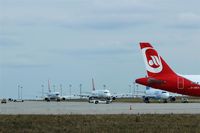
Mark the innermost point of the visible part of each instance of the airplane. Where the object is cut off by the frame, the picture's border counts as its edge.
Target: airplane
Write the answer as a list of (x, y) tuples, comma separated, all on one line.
[(161, 76), (55, 96), (99, 95), (157, 94)]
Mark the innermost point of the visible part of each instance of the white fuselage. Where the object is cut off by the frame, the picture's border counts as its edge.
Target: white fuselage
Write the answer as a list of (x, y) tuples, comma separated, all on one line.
[(156, 94), (101, 93), (53, 95)]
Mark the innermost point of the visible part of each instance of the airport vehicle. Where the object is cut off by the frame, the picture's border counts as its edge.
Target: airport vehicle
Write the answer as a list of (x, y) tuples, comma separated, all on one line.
[(157, 94), (18, 100), (102, 95), (55, 96), (97, 101), (161, 76), (4, 101)]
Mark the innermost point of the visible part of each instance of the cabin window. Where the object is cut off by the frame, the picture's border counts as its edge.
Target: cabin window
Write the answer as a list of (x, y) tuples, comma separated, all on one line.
[(193, 83)]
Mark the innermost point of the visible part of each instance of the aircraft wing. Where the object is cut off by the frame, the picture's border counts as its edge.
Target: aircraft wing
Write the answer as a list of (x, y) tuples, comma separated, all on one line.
[(86, 94)]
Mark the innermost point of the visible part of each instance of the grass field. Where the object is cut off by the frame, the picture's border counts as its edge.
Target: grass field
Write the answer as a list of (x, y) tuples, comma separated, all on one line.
[(100, 123)]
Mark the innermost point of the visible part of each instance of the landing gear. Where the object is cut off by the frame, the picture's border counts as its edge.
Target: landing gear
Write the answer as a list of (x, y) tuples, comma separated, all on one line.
[(146, 100), (47, 99), (58, 100), (90, 100), (184, 100), (165, 101), (107, 102)]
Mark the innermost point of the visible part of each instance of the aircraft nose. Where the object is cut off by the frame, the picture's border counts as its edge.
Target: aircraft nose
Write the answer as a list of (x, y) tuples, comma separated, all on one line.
[(137, 81), (108, 94), (165, 95)]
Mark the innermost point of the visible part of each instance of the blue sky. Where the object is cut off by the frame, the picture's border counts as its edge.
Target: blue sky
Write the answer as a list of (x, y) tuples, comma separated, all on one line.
[(71, 41)]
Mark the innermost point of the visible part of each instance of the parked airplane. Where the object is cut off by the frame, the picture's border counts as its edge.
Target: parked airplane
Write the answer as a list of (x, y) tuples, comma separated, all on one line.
[(161, 76), (157, 94), (52, 95), (96, 95)]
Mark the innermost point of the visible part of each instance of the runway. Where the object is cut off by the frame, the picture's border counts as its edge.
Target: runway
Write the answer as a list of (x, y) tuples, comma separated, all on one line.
[(46, 108)]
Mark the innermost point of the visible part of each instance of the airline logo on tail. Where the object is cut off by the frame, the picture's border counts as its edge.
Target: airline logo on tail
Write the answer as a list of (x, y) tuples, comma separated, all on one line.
[(152, 60)]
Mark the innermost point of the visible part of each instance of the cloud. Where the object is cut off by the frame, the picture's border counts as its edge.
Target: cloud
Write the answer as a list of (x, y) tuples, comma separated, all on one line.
[(25, 59), (8, 42), (187, 20), (96, 15), (80, 37), (113, 48), (87, 14), (189, 17), (22, 66), (95, 52)]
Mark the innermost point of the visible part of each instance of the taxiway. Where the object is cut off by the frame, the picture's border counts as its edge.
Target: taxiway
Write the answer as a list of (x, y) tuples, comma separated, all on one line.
[(46, 108)]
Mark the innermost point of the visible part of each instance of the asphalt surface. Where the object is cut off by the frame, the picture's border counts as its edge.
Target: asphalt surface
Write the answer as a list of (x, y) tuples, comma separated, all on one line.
[(42, 107)]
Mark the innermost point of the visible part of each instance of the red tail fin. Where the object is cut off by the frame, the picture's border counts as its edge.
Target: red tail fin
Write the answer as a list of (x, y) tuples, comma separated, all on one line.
[(155, 65)]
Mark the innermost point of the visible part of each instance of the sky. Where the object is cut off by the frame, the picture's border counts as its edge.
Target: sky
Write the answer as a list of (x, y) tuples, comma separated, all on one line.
[(73, 41)]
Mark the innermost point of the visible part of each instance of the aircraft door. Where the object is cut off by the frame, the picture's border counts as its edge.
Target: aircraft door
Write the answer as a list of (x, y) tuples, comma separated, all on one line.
[(180, 83)]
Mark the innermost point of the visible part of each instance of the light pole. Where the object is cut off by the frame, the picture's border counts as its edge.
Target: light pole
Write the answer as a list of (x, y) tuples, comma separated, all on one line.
[(61, 89), (137, 89), (133, 88), (42, 90), (70, 87), (21, 92), (80, 90), (104, 86), (18, 90), (129, 89)]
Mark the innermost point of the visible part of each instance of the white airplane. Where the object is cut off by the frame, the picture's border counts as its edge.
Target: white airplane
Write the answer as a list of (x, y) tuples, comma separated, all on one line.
[(157, 94), (99, 95), (55, 96)]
